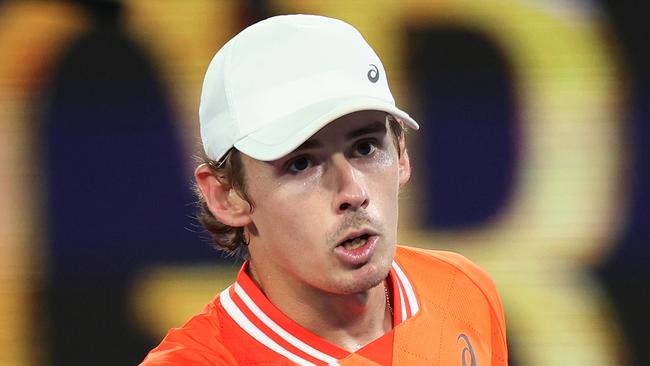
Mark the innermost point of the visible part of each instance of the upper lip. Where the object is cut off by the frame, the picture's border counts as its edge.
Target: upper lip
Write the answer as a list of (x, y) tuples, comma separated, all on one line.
[(356, 233)]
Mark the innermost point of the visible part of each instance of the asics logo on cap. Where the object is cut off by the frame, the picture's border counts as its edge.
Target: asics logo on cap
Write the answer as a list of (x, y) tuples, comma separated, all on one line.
[(373, 73)]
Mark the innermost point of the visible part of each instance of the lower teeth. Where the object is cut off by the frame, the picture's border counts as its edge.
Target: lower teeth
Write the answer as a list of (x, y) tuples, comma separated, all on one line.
[(354, 244)]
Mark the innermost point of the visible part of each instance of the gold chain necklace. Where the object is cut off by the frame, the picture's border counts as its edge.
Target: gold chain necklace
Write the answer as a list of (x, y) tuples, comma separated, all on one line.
[(390, 307)]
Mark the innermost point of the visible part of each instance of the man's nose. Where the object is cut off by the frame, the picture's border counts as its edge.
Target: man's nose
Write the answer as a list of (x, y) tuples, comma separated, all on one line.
[(350, 190)]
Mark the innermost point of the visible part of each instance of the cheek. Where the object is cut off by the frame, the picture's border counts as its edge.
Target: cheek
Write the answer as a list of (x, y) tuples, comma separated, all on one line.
[(384, 190), (384, 173), (386, 200), (384, 159), (288, 211)]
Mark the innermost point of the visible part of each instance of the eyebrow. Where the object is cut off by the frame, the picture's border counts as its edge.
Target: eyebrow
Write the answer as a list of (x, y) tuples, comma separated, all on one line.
[(373, 127)]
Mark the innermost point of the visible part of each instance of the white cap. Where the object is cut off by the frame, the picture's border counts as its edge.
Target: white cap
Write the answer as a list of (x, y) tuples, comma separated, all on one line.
[(279, 81)]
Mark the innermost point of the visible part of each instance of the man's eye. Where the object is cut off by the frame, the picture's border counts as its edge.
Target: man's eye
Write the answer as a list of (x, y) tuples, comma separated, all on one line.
[(365, 148), (299, 165)]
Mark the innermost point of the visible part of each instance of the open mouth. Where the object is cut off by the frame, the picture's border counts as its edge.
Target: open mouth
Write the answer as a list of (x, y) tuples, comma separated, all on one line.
[(356, 242)]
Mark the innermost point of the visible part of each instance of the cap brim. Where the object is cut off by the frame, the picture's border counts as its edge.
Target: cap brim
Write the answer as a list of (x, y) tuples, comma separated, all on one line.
[(280, 137)]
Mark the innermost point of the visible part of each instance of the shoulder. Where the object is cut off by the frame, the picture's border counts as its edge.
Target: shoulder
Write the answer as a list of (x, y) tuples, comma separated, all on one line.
[(197, 342), (464, 286), (424, 262), (444, 271)]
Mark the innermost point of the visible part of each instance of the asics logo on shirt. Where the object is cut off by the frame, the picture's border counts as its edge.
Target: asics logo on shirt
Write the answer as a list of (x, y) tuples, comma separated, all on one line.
[(467, 349)]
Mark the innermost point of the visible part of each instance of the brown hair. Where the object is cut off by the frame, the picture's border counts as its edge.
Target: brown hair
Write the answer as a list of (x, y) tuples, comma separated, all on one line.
[(230, 171)]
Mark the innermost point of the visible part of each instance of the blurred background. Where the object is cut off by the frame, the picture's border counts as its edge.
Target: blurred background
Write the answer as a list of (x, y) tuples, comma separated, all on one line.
[(533, 160)]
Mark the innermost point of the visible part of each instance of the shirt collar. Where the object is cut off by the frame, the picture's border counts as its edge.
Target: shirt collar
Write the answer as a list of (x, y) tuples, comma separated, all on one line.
[(247, 305)]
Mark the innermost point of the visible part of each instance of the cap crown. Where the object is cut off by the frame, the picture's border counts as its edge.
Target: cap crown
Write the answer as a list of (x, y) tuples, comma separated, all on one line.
[(273, 74)]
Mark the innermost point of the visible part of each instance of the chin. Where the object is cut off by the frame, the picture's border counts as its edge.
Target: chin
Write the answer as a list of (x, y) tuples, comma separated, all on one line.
[(364, 278)]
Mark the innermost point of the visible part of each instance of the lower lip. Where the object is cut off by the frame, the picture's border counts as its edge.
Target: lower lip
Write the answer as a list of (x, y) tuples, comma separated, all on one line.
[(358, 256)]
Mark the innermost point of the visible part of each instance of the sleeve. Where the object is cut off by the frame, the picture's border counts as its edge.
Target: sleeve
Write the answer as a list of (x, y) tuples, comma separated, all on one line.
[(180, 349), (487, 286), (196, 343), (483, 281)]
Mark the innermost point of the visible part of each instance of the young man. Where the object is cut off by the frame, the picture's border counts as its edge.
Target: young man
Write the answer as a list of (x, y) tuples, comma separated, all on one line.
[(305, 157)]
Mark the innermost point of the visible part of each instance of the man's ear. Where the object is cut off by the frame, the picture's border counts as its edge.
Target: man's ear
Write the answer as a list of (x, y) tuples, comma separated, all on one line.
[(404, 163), (224, 202)]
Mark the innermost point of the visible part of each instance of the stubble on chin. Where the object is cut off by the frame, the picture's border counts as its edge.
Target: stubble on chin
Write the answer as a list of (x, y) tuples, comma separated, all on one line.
[(363, 279)]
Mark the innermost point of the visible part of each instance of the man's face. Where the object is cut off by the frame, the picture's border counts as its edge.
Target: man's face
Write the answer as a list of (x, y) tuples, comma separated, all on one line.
[(325, 215)]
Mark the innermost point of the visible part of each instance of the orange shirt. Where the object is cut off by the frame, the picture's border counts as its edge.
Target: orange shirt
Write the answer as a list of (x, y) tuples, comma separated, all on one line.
[(446, 312)]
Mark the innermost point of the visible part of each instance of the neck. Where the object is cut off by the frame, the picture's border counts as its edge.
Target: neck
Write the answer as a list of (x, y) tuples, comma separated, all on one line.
[(349, 321)]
